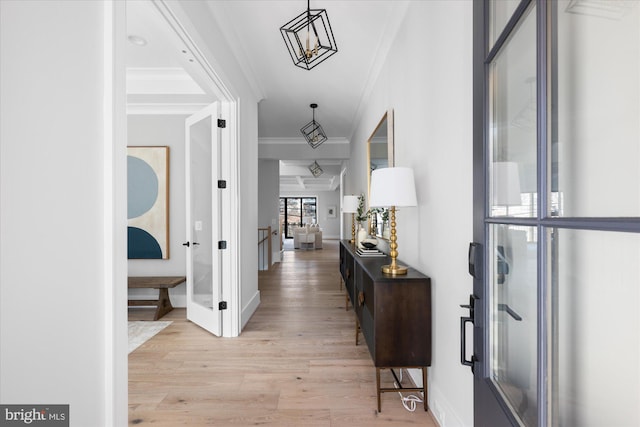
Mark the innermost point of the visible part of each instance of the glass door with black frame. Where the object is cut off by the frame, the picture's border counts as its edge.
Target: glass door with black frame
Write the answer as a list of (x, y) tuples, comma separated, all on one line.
[(557, 214)]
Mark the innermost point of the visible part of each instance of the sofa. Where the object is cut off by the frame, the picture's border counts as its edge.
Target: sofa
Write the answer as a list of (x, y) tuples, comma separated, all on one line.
[(301, 235)]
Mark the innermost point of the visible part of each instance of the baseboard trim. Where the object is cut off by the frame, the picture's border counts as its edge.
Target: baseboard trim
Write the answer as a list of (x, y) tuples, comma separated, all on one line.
[(249, 309), (414, 376), (443, 411)]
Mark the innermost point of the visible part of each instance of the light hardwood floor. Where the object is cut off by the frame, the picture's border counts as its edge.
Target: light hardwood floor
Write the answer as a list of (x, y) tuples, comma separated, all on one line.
[(295, 363)]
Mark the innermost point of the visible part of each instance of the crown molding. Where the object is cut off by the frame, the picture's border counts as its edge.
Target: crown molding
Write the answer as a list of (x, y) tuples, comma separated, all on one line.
[(397, 16), (164, 109), (300, 140), (230, 36), (162, 81)]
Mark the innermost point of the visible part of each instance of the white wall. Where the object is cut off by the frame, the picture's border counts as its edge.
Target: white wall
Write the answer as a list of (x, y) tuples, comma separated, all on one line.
[(145, 130), (598, 125), (58, 274), (330, 226), (431, 94), (276, 149), (269, 201), (598, 273), (63, 199), (598, 175), (248, 192)]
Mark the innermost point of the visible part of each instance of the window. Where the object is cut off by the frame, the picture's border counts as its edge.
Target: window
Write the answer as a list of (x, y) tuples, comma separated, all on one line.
[(297, 211)]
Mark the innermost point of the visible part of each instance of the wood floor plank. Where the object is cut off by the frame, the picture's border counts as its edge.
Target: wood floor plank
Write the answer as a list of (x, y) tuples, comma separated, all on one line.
[(295, 363)]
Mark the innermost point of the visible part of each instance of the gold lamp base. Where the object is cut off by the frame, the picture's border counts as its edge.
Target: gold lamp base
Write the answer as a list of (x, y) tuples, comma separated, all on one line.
[(353, 229), (394, 269)]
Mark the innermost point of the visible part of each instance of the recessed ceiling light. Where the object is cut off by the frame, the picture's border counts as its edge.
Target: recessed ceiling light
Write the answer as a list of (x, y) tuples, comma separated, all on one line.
[(137, 40)]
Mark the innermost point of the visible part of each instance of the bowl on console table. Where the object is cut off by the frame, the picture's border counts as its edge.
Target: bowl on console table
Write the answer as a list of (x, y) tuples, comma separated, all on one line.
[(369, 243)]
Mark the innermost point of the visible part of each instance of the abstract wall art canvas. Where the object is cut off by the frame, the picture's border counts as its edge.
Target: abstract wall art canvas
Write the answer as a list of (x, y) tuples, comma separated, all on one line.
[(148, 202)]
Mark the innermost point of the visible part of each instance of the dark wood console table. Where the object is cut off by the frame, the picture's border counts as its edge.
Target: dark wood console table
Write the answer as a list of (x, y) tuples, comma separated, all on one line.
[(162, 284), (393, 312)]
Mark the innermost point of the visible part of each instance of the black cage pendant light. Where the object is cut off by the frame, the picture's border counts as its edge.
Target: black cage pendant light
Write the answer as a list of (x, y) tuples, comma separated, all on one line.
[(309, 38), (315, 169), (312, 131)]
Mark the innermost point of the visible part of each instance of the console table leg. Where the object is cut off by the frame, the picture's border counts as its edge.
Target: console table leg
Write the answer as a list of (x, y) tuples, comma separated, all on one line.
[(425, 396), (378, 388)]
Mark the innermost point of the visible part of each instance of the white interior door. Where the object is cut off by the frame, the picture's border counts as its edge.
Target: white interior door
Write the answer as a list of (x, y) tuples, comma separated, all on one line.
[(204, 272)]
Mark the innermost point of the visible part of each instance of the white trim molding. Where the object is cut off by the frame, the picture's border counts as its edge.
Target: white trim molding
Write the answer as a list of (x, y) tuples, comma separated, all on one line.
[(300, 140), (116, 366), (229, 106)]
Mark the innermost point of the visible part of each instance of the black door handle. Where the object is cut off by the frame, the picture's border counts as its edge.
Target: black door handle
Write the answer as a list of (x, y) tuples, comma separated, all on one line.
[(463, 343), (471, 306), (187, 244), (463, 333)]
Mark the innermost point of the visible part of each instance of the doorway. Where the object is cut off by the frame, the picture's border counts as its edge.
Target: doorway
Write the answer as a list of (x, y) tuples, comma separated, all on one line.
[(296, 212), (171, 78)]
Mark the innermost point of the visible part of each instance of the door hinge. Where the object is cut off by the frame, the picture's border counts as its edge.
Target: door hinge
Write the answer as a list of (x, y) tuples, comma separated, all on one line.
[(222, 123), (222, 183), (222, 305), (222, 244)]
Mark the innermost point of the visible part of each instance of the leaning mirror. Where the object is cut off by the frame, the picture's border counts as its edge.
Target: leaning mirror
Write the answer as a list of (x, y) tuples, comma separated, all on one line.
[(379, 155)]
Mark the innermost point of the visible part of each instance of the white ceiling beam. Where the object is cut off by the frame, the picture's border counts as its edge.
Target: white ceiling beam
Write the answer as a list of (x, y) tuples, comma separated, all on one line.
[(334, 182), (301, 182)]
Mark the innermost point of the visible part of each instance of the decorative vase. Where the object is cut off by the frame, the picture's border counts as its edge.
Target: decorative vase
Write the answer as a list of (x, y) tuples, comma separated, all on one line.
[(362, 234)]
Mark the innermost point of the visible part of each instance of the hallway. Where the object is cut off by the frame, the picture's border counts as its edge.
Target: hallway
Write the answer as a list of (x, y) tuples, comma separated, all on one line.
[(295, 363)]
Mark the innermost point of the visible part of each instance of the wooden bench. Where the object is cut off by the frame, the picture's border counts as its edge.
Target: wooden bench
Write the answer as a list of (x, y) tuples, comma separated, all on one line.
[(162, 284)]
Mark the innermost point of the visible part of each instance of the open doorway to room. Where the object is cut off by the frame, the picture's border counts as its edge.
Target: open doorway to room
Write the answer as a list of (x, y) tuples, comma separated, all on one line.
[(308, 199), (297, 212), (169, 81), (161, 93)]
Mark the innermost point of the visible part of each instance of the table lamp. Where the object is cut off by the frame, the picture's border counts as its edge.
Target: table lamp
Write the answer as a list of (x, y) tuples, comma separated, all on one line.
[(505, 188), (350, 205), (393, 187)]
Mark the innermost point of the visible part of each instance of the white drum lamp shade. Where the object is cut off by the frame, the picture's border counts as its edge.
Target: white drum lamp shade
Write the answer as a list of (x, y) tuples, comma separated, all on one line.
[(506, 184), (350, 204), (392, 187)]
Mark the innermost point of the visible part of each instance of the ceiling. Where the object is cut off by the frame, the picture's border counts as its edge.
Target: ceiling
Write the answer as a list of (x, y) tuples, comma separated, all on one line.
[(296, 176), (159, 72)]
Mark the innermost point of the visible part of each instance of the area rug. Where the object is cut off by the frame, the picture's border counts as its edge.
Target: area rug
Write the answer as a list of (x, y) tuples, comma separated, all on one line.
[(141, 331)]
